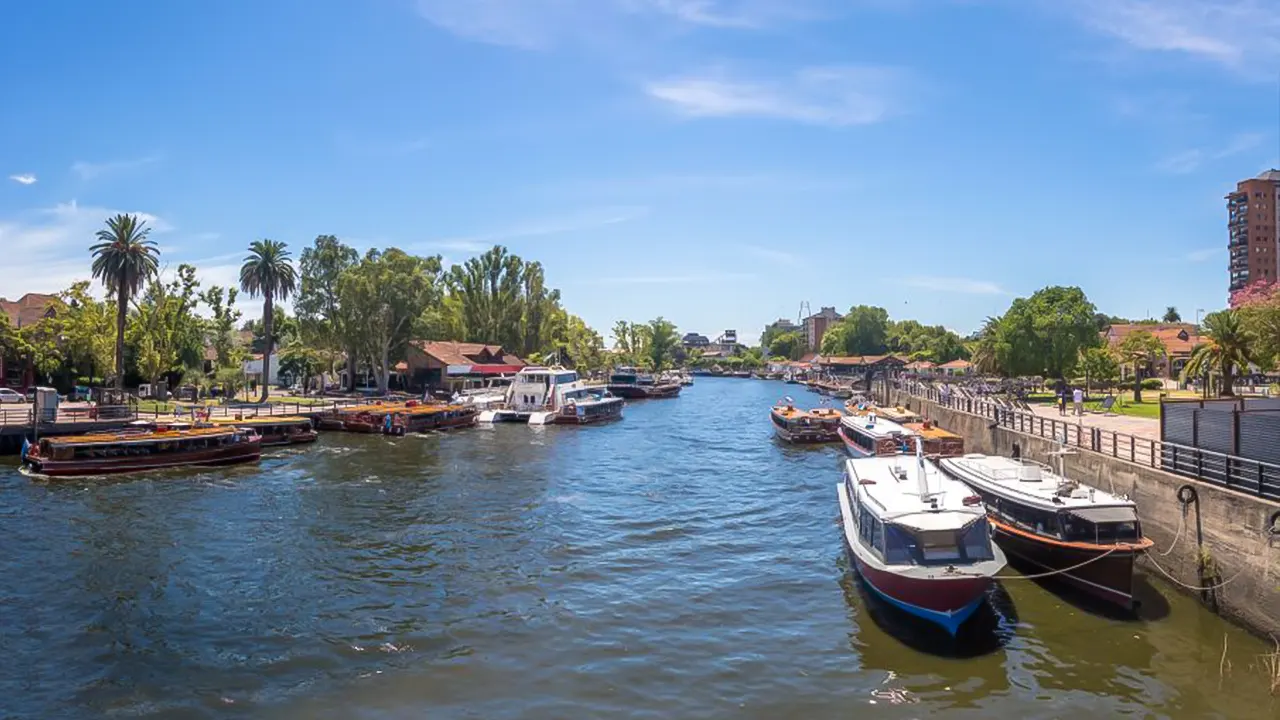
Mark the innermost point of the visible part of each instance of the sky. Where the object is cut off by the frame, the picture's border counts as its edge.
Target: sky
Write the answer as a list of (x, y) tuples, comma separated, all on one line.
[(716, 162)]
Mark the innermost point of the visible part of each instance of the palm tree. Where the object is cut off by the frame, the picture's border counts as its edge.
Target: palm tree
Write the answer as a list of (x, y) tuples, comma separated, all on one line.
[(268, 272), (123, 259), (1140, 348), (1227, 348), (1171, 315)]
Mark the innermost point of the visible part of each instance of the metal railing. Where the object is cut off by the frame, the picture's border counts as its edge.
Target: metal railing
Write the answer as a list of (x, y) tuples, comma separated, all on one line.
[(26, 416), (1254, 477)]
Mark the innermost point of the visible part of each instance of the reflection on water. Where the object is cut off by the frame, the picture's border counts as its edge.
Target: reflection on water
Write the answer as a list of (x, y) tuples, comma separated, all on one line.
[(679, 563)]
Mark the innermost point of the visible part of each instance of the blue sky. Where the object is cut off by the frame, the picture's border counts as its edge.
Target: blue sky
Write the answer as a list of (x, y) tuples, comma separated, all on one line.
[(712, 161)]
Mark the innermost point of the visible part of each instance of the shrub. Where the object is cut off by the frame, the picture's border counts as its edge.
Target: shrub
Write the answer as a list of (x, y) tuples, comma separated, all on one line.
[(1153, 384)]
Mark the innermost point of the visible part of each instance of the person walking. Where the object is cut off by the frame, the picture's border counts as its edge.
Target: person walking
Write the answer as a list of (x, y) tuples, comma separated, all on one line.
[(1077, 399), (1062, 399)]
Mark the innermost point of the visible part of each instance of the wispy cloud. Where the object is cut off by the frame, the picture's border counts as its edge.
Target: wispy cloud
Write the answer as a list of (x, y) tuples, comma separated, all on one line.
[(576, 222), (1203, 254), (47, 249), (1237, 34), (1188, 161), (966, 286), (24, 179), (90, 170), (773, 255), (542, 24), (694, 278), (840, 95)]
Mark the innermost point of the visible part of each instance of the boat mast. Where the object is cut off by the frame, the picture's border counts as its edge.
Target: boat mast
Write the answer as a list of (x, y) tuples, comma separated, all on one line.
[(921, 478)]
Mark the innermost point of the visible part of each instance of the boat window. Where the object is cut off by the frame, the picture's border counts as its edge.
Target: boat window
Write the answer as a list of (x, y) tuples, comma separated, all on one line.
[(1076, 529), (566, 378), (938, 545), (976, 541), (1118, 532), (899, 546)]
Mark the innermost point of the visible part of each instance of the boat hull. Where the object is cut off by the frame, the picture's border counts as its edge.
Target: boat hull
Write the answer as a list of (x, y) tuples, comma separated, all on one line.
[(297, 438), (241, 452), (853, 449), (945, 601), (643, 392), (1109, 579), (601, 412)]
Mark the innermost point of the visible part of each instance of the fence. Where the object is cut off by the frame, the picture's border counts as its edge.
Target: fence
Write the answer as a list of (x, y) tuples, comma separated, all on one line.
[(25, 416), (1255, 477)]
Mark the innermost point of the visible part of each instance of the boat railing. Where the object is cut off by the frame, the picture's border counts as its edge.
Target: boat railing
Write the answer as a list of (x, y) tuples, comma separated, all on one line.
[(1255, 477)]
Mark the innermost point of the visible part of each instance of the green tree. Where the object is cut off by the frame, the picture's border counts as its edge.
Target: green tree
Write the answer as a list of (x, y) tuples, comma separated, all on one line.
[(787, 345), (1228, 347), (1260, 318), (1140, 349), (1171, 315), (320, 314), (1044, 334), (387, 293), (662, 341), (1098, 365), (220, 329), (925, 342), (268, 272), (123, 259), (298, 359), (584, 345), (165, 333), (490, 289), (863, 331), (86, 328)]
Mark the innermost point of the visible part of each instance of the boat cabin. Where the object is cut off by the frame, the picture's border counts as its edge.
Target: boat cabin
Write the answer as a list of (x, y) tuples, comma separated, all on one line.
[(871, 435)]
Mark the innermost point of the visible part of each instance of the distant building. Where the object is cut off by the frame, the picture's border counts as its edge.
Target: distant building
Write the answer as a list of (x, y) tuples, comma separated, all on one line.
[(781, 326), (955, 367), (691, 341), (726, 345), (816, 325), (447, 365), (17, 372), (1253, 231)]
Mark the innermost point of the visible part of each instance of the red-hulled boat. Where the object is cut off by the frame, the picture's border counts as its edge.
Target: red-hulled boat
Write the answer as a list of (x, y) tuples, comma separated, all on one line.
[(1089, 536), (918, 539), (137, 450)]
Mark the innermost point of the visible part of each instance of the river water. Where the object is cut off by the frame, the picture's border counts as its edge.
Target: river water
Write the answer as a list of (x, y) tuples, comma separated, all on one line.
[(677, 564)]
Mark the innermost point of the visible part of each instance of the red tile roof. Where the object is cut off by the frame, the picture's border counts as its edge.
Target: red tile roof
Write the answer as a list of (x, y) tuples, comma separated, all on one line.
[(28, 309), (858, 359), (956, 365), (920, 365), (459, 353), (1177, 338)]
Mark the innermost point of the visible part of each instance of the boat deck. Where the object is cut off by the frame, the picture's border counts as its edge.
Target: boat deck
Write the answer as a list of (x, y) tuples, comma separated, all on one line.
[(1032, 482)]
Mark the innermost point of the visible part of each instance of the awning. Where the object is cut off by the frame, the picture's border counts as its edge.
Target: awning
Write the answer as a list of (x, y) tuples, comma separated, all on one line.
[(482, 369), (1106, 514)]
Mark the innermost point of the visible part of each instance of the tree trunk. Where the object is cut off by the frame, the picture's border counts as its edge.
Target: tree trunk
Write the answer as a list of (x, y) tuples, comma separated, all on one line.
[(1228, 373), (351, 369), (384, 377), (122, 311), (268, 320), (1137, 384)]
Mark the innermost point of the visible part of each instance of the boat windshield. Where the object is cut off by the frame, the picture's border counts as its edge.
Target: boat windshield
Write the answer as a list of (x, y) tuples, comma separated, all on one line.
[(565, 378), (622, 378), (908, 546), (1101, 525)]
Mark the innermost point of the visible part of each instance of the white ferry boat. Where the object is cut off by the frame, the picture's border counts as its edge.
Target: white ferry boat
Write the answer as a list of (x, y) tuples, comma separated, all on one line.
[(554, 395)]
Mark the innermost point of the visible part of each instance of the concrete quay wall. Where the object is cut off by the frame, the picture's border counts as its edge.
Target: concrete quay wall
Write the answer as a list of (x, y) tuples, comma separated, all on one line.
[(1224, 538)]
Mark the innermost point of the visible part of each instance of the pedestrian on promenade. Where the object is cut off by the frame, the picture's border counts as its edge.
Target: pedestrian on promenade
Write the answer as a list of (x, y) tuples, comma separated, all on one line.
[(1062, 399), (1077, 398)]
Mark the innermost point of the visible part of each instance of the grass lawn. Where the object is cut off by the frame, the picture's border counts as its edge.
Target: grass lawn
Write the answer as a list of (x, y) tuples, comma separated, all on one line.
[(307, 401), (1148, 408)]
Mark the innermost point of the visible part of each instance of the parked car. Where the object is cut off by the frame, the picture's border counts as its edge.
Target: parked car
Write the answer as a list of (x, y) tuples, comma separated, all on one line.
[(79, 394), (11, 396)]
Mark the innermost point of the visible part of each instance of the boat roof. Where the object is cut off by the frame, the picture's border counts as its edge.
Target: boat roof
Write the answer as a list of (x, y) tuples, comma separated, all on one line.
[(135, 437), (931, 432), (875, 426), (893, 484), (1036, 484), (263, 420)]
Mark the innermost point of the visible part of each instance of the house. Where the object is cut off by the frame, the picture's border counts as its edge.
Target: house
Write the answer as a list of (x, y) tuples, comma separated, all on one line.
[(448, 365), (727, 344), (955, 367), (920, 367), (1178, 339), (17, 372), (253, 369)]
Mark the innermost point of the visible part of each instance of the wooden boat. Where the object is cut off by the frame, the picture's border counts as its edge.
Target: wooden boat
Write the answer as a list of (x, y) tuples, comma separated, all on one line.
[(275, 430), (896, 413), (417, 417), (918, 539), (869, 435), (627, 382), (938, 443), (357, 418), (805, 426), (145, 449), (1089, 536)]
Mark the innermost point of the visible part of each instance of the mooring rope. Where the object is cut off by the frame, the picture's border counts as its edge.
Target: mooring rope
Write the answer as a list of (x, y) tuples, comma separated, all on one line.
[(1193, 587), (1056, 572), (1181, 524)]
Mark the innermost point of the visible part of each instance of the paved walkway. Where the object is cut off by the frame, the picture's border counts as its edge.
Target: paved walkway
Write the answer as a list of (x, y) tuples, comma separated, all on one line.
[(1148, 428)]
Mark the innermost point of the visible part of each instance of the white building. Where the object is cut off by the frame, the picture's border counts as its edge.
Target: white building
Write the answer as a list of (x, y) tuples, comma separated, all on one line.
[(253, 369)]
